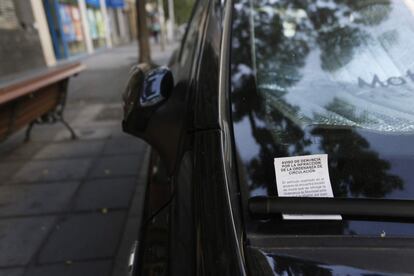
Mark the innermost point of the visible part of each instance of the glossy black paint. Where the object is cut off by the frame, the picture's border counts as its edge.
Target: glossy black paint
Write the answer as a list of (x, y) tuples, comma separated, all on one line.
[(189, 227), (148, 88), (218, 251), (195, 218), (148, 114), (362, 163), (335, 253), (274, 263)]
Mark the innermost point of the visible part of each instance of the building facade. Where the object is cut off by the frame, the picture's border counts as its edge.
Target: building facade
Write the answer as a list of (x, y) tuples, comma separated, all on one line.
[(20, 44), (38, 33)]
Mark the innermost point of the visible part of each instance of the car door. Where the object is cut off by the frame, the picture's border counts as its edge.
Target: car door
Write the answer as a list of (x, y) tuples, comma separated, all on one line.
[(219, 233), (166, 243)]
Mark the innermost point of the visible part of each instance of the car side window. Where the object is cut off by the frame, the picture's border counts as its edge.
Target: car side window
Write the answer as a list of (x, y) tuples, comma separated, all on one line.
[(190, 37)]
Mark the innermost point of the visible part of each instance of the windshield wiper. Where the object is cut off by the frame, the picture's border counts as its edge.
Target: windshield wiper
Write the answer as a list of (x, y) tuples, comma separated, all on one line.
[(352, 207)]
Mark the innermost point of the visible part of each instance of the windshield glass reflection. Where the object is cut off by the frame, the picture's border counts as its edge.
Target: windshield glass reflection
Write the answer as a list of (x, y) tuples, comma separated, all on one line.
[(332, 77)]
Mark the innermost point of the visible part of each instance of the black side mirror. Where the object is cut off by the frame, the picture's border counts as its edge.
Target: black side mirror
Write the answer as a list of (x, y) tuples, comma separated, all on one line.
[(148, 88), (145, 112)]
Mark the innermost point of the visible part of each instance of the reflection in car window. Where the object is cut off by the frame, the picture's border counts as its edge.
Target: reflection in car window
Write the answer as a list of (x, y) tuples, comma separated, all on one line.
[(190, 37), (355, 55), (333, 77)]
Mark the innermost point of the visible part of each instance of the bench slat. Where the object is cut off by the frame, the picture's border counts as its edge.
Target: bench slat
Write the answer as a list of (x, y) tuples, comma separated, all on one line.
[(5, 117), (27, 108), (32, 84)]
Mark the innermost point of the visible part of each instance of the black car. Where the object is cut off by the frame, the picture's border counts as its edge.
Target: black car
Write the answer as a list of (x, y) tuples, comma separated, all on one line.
[(282, 135)]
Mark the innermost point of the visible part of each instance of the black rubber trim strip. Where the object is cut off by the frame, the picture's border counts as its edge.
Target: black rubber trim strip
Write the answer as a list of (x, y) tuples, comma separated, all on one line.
[(378, 208)]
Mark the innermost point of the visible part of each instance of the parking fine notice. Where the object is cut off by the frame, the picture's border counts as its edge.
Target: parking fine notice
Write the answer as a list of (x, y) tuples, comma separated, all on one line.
[(304, 176)]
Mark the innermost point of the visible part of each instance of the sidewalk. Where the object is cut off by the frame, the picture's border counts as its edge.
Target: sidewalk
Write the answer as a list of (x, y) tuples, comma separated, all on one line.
[(73, 207)]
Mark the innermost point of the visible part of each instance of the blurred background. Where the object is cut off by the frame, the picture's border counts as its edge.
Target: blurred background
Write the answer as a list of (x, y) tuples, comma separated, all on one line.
[(71, 182)]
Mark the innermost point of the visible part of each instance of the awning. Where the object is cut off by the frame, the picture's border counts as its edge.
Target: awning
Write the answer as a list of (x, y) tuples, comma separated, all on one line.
[(115, 3), (94, 3)]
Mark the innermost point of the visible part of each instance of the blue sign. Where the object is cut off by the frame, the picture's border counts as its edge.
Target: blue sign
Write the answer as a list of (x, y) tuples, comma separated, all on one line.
[(115, 3), (94, 3)]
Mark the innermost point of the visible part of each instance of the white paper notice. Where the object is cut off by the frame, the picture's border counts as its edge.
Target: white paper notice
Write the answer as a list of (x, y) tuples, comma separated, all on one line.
[(304, 176)]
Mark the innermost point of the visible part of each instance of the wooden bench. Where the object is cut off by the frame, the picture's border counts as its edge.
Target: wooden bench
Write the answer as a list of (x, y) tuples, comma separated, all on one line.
[(35, 97)]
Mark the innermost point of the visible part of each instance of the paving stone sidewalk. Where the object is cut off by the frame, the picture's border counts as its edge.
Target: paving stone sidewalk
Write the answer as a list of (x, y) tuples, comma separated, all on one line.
[(72, 207)]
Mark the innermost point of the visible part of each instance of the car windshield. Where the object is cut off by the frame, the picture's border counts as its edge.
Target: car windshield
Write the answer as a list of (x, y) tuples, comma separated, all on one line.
[(332, 77)]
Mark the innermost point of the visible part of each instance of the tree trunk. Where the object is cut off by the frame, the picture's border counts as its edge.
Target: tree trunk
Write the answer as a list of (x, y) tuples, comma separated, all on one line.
[(171, 18), (160, 7), (144, 54)]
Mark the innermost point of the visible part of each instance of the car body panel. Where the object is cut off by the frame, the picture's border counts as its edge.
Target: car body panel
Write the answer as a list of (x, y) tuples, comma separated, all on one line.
[(269, 263), (184, 229), (196, 218)]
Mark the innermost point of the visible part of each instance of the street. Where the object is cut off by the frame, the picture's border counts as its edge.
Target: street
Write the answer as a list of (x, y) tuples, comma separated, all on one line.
[(72, 207)]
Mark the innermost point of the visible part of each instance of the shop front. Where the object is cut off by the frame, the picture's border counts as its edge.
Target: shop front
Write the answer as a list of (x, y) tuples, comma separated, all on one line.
[(65, 26), (74, 28), (119, 17), (96, 23)]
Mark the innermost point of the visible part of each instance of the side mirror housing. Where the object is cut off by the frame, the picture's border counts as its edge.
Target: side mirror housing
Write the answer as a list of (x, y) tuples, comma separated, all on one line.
[(147, 89), (146, 114)]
